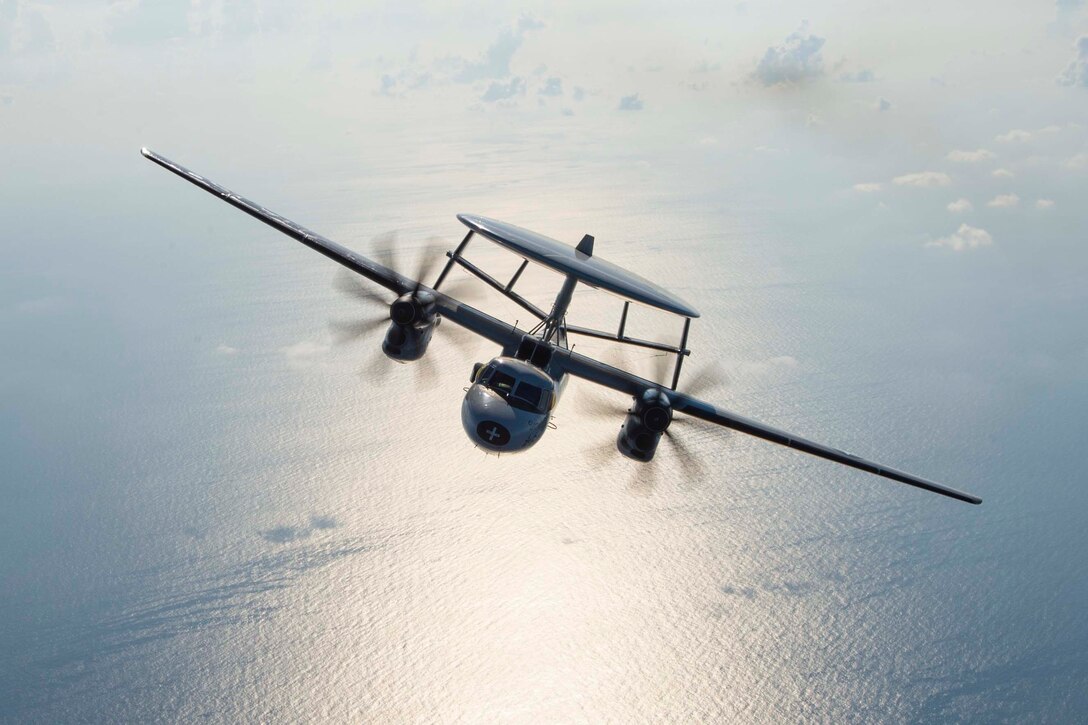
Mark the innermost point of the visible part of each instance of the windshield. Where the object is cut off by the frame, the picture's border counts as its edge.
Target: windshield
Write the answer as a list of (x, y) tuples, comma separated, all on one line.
[(523, 395), (528, 394)]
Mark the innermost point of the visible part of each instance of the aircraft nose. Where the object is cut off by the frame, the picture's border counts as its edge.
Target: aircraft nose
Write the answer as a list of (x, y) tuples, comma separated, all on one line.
[(494, 433)]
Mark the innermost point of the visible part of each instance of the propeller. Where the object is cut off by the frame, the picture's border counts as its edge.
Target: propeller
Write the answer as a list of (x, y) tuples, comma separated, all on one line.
[(354, 286), (705, 378)]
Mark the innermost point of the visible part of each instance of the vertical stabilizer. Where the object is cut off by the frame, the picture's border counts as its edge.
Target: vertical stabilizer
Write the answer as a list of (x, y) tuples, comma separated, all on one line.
[(586, 245)]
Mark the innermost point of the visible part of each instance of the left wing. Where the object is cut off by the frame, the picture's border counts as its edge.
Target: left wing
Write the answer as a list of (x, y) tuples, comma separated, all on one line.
[(623, 381), (468, 317)]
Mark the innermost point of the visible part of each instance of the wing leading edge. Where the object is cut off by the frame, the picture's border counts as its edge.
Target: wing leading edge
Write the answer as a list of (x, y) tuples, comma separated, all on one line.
[(608, 376), (468, 317)]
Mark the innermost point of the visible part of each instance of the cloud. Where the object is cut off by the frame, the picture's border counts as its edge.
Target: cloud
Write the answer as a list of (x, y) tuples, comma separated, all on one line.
[(552, 87), (924, 179), (1076, 73), (1077, 162), (868, 187), (770, 150), (1014, 136), (795, 61), (970, 157), (528, 22), (226, 350), (862, 76), (495, 62), (388, 85), (883, 104), (960, 206), (964, 238), (1002, 174), (1044, 203), (631, 103), (1003, 201), (499, 91)]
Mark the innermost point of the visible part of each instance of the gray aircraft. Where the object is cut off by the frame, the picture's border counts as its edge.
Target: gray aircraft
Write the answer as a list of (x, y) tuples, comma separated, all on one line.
[(510, 401)]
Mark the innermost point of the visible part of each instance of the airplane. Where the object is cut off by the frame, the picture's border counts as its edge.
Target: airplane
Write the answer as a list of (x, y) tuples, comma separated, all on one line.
[(510, 401)]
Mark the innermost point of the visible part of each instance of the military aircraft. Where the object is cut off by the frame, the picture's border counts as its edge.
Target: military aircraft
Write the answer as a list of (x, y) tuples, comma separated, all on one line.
[(510, 401)]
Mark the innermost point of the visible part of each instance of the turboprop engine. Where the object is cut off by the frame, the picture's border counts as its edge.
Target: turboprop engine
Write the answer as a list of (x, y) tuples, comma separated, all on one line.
[(646, 421), (413, 321)]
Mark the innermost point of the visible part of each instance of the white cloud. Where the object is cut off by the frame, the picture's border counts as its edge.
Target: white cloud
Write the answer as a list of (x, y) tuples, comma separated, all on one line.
[(970, 157), (1076, 73), (960, 206), (499, 91), (630, 103), (795, 61), (868, 188), (495, 63), (1013, 136), (1002, 174), (226, 350), (1044, 204), (966, 237), (1080, 161), (923, 179), (1004, 201)]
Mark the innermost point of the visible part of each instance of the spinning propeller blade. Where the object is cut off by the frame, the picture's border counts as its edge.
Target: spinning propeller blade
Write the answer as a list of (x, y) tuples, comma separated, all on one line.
[(709, 376), (345, 331)]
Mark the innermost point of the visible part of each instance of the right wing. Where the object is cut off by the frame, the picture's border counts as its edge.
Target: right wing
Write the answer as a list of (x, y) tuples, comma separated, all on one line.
[(468, 317), (625, 382)]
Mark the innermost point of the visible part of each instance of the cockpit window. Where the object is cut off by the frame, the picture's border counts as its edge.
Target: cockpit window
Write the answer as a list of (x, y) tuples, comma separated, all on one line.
[(500, 382), (528, 394), (520, 395)]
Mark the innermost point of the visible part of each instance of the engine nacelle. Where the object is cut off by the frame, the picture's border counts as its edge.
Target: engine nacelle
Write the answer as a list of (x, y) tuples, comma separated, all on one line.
[(646, 421), (413, 322)]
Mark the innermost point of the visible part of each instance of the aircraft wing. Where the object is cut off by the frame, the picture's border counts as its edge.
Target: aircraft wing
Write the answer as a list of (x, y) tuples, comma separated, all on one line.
[(611, 377), (468, 317)]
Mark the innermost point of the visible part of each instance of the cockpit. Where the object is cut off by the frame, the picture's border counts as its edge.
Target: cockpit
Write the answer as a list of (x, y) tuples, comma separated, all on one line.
[(523, 393)]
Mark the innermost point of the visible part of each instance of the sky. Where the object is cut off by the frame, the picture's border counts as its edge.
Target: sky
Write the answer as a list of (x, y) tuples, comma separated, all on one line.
[(212, 510)]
